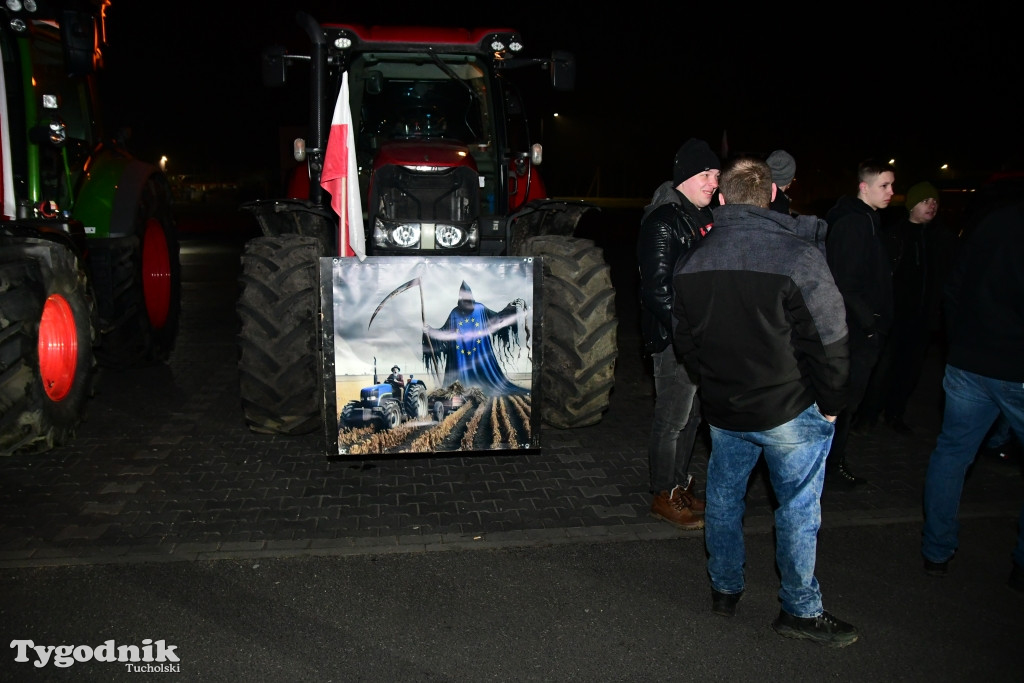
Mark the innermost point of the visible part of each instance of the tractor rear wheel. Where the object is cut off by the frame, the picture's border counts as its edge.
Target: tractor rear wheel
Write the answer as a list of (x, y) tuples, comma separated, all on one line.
[(416, 401), (138, 285), (279, 304), (47, 368), (578, 332)]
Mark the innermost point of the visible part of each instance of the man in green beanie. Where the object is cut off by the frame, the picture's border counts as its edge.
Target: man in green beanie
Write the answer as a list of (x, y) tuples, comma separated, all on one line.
[(921, 250)]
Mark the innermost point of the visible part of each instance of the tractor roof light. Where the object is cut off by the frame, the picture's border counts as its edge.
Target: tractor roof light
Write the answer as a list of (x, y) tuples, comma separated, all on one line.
[(343, 42), (504, 44)]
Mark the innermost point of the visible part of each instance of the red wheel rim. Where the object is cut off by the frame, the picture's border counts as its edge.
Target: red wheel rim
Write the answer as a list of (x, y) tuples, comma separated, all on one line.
[(156, 273), (58, 347)]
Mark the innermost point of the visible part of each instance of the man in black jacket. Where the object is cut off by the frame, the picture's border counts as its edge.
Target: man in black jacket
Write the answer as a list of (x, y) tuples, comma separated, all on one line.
[(984, 376), (860, 266), (761, 325), (676, 218)]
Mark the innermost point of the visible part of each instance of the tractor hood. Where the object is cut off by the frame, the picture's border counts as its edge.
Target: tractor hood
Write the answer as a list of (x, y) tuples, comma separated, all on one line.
[(435, 154)]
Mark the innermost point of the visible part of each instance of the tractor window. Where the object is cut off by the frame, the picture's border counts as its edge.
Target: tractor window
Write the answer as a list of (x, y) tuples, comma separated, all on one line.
[(409, 97), (51, 79), (58, 96)]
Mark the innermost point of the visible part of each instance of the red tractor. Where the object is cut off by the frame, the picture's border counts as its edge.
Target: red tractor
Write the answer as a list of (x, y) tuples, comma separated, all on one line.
[(445, 168)]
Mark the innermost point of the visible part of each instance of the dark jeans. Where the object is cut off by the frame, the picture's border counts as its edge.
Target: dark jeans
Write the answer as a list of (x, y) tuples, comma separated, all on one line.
[(897, 372), (864, 354), (674, 428)]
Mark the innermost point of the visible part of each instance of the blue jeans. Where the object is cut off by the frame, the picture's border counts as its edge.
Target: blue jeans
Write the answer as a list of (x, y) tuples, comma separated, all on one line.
[(972, 404), (675, 423), (795, 453)]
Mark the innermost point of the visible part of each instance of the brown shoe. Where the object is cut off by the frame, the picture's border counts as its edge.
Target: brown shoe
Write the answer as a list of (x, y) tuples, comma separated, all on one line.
[(670, 507), (689, 500)]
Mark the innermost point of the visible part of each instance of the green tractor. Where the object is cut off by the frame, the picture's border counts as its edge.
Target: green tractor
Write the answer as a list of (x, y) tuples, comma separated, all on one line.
[(89, 266)]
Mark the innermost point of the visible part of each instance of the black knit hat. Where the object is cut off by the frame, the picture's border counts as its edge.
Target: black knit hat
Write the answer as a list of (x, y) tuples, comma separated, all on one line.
[(695, 156)]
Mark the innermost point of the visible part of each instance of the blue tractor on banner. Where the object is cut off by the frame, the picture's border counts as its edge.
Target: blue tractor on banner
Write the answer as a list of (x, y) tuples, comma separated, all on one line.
[(387, 404)]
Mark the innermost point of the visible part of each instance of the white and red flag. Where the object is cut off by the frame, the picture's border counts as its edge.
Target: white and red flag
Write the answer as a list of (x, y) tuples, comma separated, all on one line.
[(341, 178)]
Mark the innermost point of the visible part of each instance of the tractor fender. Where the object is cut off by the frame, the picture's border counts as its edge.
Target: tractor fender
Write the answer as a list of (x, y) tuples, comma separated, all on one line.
[(546, 217), (108, 200), (33, 239)]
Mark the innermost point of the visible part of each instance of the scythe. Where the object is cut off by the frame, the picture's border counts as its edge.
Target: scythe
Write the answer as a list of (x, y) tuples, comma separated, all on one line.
[(415, 282)]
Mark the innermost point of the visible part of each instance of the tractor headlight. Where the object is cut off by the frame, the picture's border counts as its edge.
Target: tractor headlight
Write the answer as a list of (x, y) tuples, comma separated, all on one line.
[(448, 236), (427, 236), (406, 234)]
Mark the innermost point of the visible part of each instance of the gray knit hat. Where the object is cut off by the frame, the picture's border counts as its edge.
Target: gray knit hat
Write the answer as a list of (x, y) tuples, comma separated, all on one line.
[(783, 167)]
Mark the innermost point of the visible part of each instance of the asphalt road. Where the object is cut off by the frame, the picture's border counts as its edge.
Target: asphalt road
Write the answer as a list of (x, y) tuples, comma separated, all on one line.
[(607, 611)]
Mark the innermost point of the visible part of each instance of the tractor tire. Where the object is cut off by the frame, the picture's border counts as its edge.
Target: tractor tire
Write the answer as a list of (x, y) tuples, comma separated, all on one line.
[(578, 331), (416, 402), (392, 415), (280, 382), (349, 415), (137, 280), (47, 367)]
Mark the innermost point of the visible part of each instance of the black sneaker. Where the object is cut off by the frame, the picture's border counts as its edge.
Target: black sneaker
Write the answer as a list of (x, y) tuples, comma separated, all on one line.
[(936, 568), (824, 629), (724, 603), (899, 426), (1016, 581), (842, 478)]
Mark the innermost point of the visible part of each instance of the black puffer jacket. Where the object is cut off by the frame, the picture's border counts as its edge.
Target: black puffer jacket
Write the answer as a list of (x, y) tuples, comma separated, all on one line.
[(671, 224)]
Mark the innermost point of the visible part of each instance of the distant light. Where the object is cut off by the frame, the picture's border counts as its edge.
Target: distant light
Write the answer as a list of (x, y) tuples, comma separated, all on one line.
[(944, 167), (892, 162), (555, 114), (163, 163)]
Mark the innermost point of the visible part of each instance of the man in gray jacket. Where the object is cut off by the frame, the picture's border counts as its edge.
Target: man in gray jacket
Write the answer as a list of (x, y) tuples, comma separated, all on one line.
[(761, 325)]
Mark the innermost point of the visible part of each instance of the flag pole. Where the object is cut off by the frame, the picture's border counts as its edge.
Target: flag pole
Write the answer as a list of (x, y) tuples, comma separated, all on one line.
[(344, 248)]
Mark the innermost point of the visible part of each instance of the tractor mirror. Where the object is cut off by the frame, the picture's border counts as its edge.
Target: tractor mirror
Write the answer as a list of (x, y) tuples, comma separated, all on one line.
[(274, 66), (374, 82), (563, 70), (81, 45)]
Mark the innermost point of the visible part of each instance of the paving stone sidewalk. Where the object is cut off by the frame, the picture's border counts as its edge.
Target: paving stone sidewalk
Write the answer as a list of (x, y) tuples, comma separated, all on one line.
[(164, 468)]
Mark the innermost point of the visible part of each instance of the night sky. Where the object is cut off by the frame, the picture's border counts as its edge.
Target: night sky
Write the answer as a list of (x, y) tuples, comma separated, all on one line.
[(923, 87)]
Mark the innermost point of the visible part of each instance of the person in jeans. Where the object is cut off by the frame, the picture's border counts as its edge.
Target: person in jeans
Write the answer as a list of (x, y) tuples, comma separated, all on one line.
[(677, 217), (761, 325), (984, 376)]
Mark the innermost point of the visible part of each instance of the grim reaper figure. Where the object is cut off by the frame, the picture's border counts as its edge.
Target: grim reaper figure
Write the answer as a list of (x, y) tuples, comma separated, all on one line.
[(474, 343)]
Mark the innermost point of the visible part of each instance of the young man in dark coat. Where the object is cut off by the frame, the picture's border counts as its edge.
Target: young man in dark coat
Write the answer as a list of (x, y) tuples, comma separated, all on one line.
[(677, 217), (860, 266)]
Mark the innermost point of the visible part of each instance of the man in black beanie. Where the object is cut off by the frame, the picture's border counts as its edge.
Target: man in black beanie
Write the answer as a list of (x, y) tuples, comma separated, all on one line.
[(679, 214)]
